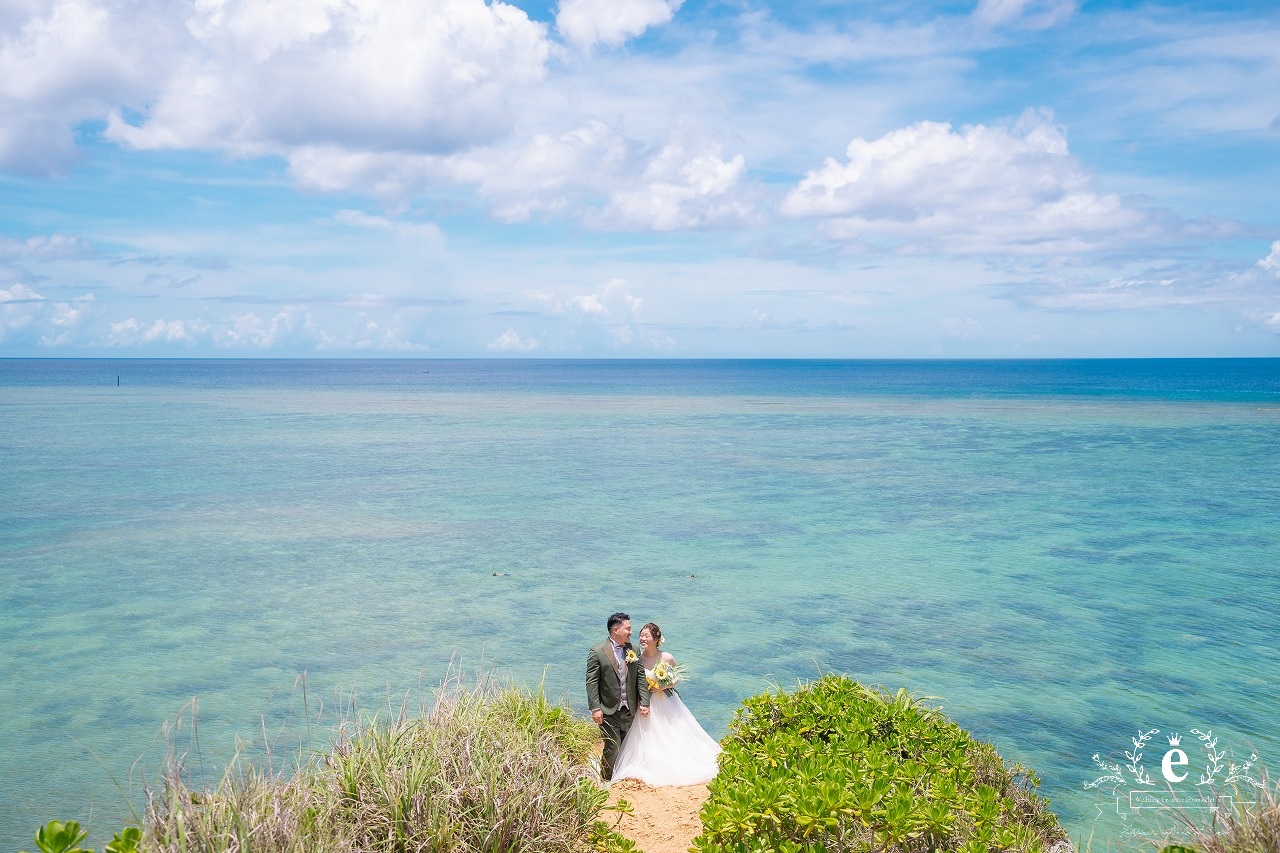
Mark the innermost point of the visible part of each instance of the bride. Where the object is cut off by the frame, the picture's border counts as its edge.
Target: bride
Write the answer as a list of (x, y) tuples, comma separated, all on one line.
[(668, 747)]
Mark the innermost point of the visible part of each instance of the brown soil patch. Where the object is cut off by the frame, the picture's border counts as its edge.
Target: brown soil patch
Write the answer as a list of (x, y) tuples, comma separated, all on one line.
[(665, 820)]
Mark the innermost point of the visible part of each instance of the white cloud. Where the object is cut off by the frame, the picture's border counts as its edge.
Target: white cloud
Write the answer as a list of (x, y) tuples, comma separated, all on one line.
[(1026, 14), (20, 306), (586, 23), (42, 247), (393, 75), (422, 232), (686, 185), (1235, 288), (591, 173), (549, 173), (249, 331), (67, 319), (66, 61), (20, 293), (132, 331), (510, 341), (609, 316), (596, 175), (1272, 261), (983, 189)]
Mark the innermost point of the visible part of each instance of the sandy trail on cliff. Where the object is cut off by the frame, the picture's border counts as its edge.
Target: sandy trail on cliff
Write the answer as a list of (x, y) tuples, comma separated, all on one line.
[(665, 820)]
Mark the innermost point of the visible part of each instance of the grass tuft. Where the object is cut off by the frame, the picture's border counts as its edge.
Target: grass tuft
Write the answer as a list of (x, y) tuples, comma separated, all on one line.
[(488, 767), (1248, 821)]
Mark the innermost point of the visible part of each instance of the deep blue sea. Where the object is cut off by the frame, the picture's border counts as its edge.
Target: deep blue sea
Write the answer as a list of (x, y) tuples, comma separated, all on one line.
[(1068, 554)]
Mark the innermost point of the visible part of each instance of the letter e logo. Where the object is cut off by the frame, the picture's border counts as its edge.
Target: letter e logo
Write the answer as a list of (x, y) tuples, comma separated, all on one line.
[(1173, 758)]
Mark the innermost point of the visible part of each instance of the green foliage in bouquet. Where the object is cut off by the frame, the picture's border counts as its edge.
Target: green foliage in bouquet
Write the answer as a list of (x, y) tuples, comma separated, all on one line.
[(838, 766)]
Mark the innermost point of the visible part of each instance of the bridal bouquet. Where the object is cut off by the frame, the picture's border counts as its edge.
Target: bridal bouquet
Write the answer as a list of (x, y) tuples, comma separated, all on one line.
[(666, 675)]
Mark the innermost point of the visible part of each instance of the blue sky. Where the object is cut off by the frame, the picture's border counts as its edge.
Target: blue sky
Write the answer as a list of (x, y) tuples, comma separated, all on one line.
[(639, 178)]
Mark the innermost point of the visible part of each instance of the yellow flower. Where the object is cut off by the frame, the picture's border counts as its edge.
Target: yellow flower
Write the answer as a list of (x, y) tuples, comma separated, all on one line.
[(631, 656)]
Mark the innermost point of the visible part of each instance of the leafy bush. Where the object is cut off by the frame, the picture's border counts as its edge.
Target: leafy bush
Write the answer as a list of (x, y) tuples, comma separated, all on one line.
[(839, 766)]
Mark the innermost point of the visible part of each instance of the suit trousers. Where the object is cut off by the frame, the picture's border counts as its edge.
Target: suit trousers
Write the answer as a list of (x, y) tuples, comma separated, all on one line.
[(613, 729)]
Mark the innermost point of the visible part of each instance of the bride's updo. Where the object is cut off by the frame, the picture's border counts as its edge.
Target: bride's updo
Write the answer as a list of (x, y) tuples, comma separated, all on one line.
[(654, 631)]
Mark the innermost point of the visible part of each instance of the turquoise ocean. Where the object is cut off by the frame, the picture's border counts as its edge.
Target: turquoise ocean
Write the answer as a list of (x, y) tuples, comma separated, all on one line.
[(1067, 554)]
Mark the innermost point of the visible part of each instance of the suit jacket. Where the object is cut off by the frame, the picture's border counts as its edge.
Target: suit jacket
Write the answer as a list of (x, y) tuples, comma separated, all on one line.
[(604, 691)]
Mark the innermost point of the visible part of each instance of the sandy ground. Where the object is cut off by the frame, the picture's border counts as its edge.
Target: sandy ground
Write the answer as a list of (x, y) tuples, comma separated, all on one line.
[(666, 819)]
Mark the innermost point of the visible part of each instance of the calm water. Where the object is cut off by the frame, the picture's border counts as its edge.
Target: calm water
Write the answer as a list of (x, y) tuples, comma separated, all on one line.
[(1066, 553)]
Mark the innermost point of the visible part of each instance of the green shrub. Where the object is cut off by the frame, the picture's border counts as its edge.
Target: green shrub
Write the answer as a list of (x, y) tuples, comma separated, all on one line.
[(839, 766)]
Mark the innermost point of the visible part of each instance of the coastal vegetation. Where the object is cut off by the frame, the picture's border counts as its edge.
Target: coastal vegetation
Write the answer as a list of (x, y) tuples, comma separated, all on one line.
[(838, 766), (485, 768), (1245, 822), (832, 765)]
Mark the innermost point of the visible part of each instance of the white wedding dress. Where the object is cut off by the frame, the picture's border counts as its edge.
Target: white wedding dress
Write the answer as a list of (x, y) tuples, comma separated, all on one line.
[(668, 747)]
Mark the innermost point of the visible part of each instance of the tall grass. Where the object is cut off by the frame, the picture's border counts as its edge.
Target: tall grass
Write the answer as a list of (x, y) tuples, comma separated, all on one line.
[(489, 768), (1247, 822)]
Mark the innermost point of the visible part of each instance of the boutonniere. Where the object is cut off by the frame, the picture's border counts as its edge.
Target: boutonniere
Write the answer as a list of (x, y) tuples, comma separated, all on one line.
[(631, 656)]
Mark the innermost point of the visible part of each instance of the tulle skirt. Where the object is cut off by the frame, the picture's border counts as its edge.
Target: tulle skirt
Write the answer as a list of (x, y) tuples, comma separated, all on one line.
[(668, 747)]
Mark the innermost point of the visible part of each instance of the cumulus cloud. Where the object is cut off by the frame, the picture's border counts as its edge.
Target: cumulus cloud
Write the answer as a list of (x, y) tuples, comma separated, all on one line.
[(132, 331), (1272, 261), (262, 76), (20, 293), (63, 62), (586, 23), (592, 173), (402, 75), (67, 319), (686, 185), (981, 189), (250, 331), (20, 307), (596, 175), (609, 315), (510, 341)]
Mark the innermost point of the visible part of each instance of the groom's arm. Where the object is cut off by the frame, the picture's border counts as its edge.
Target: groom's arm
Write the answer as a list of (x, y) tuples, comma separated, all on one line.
[(593, 686)]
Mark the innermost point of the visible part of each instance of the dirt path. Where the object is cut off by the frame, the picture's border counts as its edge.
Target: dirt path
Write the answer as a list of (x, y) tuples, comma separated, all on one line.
[(666, 819)]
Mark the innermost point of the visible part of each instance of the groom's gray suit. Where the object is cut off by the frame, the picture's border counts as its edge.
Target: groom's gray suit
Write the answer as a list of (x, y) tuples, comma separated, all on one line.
[(604, 691)]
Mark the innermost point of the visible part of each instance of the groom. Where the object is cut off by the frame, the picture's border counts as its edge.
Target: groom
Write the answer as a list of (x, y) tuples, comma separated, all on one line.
[(615, 688)]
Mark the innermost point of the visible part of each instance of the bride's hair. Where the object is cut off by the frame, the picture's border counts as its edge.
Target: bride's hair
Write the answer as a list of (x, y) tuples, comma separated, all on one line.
[(654, 631)]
